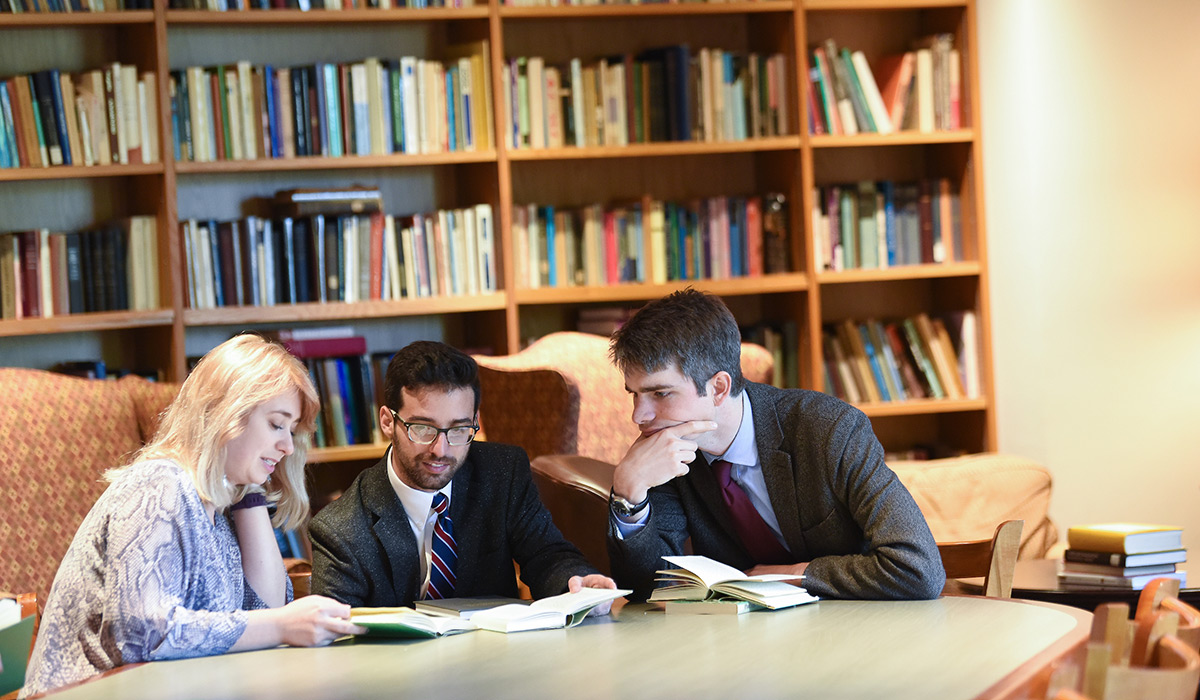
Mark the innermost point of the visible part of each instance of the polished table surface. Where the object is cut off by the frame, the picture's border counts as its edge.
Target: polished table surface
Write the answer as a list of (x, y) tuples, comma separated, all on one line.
[(949, 648), (1037, 579)]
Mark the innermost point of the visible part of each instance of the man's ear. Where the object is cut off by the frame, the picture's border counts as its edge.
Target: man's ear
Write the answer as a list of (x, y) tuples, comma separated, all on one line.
[(721, 384), (386, 423)]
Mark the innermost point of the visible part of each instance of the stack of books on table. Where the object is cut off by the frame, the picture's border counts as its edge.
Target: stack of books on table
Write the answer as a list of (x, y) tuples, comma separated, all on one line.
[(1122, 555)]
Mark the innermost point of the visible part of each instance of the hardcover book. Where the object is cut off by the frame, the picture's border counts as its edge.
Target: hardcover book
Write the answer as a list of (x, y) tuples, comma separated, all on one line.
[(1172, 556), (1127, 538), (406, 623)]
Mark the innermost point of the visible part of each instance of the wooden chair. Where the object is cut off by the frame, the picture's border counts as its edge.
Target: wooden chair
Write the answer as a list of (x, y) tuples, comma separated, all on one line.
[(994, 559), (1163, 594), (1137, 660)]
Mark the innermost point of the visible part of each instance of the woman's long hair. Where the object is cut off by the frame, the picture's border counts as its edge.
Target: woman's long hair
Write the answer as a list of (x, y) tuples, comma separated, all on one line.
[(214, 406)]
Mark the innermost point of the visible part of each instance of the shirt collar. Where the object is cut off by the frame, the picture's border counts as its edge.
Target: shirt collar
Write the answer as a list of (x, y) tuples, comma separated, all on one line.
[(744, 449), (417, 504)]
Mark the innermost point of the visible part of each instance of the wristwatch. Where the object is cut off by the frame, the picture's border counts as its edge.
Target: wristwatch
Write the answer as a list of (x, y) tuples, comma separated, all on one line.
[(624, 508)]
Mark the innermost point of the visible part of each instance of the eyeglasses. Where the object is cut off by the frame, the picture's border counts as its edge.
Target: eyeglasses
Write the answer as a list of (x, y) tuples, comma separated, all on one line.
[(425, 434)]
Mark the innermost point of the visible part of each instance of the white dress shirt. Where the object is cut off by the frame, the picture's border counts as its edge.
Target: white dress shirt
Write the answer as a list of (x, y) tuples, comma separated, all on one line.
[(418, 505)]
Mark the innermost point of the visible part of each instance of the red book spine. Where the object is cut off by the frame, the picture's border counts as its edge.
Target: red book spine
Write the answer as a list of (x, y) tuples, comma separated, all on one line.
[(31, 292), (376, 255), (327, 347)]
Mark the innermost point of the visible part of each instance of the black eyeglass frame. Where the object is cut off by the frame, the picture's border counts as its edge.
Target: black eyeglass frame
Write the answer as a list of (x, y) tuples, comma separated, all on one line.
[(474, 428)]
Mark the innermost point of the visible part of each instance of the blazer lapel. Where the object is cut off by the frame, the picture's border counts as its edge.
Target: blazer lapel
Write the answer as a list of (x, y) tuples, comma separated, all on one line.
[(466, 546), (394, 534), (778, 470)]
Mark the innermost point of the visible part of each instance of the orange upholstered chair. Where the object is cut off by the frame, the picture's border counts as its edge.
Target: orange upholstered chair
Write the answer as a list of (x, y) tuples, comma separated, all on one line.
[(562, 395), (58, 434)]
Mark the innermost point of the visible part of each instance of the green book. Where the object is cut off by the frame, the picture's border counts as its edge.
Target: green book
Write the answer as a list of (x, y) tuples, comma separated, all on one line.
[(407, 623), (14, 651)]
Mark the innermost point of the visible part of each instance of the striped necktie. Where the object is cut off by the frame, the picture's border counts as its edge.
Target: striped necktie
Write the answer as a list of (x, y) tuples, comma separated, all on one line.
[(445, 552)]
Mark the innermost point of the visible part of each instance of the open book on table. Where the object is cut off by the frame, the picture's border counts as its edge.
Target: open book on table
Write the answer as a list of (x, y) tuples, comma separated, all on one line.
[(407, 623), (565, 610), (701, 578)]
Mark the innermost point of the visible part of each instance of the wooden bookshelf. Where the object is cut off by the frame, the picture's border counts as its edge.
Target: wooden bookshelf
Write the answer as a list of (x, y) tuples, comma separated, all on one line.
[(794, 164)]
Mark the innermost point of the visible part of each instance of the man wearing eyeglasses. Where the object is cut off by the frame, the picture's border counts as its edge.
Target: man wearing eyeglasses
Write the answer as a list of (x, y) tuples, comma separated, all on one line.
[(440, 516)]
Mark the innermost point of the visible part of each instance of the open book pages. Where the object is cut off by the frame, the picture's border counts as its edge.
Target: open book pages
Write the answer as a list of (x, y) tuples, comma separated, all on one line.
[(565, 610), (701, 578), (407, 623)]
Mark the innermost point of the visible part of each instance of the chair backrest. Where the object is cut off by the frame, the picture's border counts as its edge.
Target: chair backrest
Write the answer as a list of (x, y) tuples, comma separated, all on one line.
[(575, 491), (59, 435), (994, 559), (1163, 594), (562, 395)]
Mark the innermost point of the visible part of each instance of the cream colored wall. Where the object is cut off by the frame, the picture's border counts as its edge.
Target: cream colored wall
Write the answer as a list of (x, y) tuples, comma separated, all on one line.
[(1091, 117)]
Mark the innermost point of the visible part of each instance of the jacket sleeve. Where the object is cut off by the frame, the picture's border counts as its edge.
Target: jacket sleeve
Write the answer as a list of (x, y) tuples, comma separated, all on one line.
[(898, 558), (546, 558), (337, 571)]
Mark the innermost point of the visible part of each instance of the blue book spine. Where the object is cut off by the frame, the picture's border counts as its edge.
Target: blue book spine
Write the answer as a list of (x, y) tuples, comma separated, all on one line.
[(60, 115), (343, 370), (889, 218), (8, 153), (176, 133), (735, 237), (873, 360), (272, 99), (218, 273), (551, 254)]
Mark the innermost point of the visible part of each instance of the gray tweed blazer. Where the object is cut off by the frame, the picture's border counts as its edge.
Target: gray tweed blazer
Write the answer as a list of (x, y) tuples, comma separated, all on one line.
[(839, 506), (365, 554)]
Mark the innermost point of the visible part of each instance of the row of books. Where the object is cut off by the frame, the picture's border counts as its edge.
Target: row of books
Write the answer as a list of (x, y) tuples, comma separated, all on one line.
[(581, 3), (913, 358), (97, 117), (306, 5), (662, 94), (650, 241), (110, 268), (873, 225), (260, 261), (23, 6), (345, 377), (373, 107), (782, 341), (917, 90), (1122, 555)]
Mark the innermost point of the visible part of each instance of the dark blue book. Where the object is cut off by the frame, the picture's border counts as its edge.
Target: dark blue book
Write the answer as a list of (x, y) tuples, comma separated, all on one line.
[(271, 84), (218, 273), (345, 388)]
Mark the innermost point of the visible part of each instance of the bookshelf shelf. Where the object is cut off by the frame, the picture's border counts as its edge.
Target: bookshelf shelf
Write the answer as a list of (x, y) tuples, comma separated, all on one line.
[(768, 284), (922, 407), (71, 172), (351, 453), (77, 323), (315, 311), (653, 9), (67, 19), (907, 272), (654, 150), (264, 17), (344, 163), (906, 138), (842, 5)]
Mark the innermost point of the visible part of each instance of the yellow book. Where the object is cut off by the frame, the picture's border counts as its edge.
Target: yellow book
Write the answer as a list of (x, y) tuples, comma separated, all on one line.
[(1125, 538)]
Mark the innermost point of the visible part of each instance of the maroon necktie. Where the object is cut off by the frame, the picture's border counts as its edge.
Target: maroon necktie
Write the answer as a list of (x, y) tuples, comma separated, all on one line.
[(755, 533)]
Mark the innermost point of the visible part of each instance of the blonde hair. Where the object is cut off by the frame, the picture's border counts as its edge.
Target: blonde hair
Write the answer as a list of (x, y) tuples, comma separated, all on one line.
[(214, 406)]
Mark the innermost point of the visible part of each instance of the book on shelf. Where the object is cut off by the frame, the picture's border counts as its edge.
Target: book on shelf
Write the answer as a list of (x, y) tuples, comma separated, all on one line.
[(355, 199), (554, 612), (1120, 559), (407, 623), (700, 578), (1124, 537), (1133, 583)]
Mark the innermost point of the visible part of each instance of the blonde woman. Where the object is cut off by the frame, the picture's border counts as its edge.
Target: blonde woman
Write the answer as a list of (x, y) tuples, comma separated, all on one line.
[(177, 558)]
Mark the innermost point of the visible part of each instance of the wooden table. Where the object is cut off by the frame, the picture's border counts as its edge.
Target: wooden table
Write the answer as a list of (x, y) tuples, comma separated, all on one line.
[(951, 648), (1037, 579)]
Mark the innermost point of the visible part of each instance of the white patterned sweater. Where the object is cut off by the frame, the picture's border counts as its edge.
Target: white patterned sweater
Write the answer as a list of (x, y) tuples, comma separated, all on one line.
[(148, 577)]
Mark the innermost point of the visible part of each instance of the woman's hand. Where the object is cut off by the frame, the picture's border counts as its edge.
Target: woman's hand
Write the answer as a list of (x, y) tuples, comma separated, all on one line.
[(315, 621)]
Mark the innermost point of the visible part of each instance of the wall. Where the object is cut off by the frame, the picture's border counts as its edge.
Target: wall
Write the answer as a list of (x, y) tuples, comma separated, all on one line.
[(1092, 167)]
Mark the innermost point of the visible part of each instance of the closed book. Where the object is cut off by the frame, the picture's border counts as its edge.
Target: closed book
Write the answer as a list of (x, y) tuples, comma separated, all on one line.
[(345, 200), (1172, 556), (1072, 567), (1129, 538), (461, 607), (1134, 583), (715, 606)]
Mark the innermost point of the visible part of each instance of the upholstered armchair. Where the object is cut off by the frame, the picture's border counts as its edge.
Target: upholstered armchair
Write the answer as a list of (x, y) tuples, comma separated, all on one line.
[(562, 395), (58, 434)]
